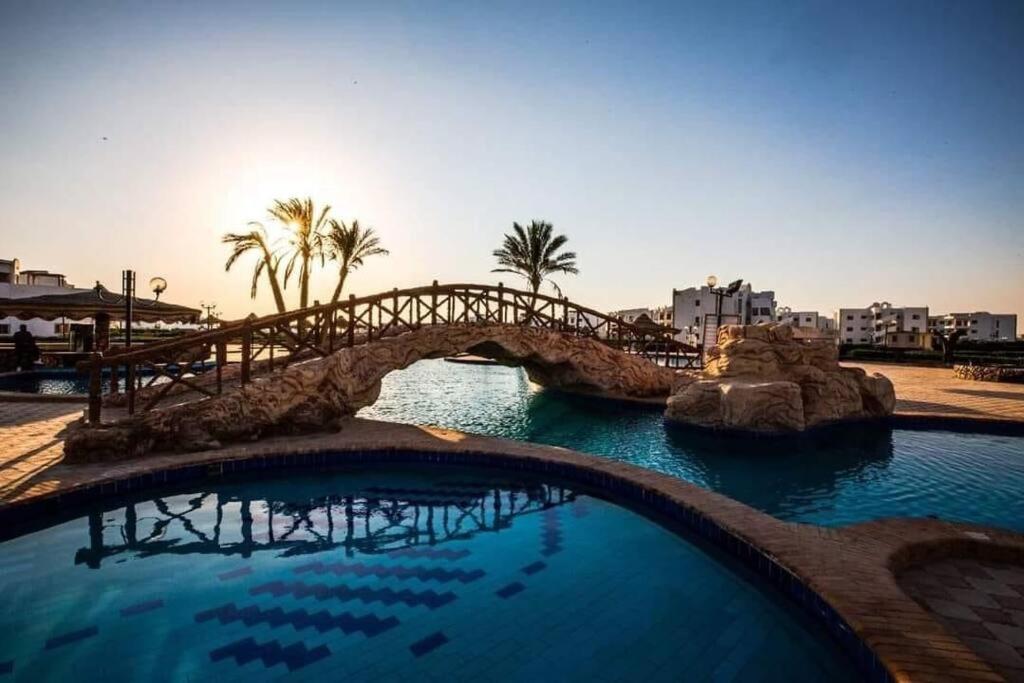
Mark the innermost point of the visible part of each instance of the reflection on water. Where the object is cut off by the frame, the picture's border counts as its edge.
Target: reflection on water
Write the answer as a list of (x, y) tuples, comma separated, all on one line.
[(299, 516), (833, 476)]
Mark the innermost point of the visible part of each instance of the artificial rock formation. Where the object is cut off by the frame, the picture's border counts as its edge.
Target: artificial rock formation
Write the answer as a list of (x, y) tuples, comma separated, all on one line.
[(760, 379), (315, 395)]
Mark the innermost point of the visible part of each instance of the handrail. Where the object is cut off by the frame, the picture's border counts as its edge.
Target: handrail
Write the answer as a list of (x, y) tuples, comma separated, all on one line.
[(282, 338), (227, 332)]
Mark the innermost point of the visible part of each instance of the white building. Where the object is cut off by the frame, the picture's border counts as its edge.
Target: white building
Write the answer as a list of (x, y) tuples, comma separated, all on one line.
[(980, 325), (855, 326), (871, 325), (693, 311), (631, 314), (19, 284), (809, 324)]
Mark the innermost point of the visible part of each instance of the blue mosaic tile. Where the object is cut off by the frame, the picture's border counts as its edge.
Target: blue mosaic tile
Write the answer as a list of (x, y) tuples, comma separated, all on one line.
[(294, 656), (6, 668), (510, 590), (369, 625), (365, 594), (401, 573), (235, 573), (533, 568), (428, 644), (72, 637), (141, 608)]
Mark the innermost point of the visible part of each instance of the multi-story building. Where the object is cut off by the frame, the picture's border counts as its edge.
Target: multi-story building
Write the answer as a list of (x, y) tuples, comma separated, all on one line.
[(808, 324), (855, 326), (980, 325), (662, 315), (693, 311), (19, 284), (631, 314), (871, 325)]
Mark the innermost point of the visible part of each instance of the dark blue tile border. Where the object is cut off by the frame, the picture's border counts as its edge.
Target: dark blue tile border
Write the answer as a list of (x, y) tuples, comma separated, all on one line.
[(428, 644), (19, 518)]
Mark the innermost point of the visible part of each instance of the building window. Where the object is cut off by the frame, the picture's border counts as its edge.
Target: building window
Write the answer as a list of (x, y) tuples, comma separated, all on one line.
[(5, 328), (914, 329), (849, 317), (849, 329), (696, 321), (916, 316), (697, 302)]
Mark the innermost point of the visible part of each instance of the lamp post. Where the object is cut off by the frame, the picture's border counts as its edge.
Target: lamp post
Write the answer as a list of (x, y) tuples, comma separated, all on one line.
[(158, 285), (719, 293), (209, 308)]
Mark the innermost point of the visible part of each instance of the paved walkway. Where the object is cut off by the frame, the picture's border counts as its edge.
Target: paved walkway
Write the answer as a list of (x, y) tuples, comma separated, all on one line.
[(982, 602), (935, 392)]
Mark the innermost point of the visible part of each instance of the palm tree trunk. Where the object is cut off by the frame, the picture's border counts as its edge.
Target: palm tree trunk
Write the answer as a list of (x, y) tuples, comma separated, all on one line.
[(275, 286), (304, 283), (342, 274)]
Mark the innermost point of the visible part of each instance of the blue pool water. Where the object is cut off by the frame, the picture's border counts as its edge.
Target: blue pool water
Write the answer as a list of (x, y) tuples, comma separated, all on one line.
[(398, 574), (832, 477)]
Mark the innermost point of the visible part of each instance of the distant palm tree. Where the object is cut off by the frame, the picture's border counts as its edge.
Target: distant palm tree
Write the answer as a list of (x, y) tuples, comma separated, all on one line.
[(533, 254), (256, 240), (350, 245), (306, 238)]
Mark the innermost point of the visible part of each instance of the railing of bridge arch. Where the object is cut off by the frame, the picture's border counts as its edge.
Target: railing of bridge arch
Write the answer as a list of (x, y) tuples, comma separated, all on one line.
[(233, 354)]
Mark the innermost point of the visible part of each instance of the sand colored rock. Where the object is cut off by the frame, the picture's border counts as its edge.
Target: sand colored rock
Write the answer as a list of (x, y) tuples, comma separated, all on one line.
[(759, 378), (315, 394)]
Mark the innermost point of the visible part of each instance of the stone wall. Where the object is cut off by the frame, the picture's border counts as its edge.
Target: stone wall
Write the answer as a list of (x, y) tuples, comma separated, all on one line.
[(759, 378), (314, 395), (988, 373)]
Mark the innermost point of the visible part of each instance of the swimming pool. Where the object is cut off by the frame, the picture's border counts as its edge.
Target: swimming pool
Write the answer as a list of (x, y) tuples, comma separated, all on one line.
[(830, 477), (443, 573)]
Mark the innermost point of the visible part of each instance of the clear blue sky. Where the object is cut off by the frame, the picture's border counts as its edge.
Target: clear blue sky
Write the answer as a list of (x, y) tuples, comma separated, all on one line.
[(839, 153)]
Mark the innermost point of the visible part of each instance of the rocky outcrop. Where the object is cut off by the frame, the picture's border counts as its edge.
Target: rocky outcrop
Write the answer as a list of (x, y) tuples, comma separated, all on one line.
[(759, 378), (314, 395)]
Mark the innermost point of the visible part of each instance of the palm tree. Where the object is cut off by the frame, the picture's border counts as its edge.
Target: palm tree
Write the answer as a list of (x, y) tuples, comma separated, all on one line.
[(306, 239), (350, 246), (256, 240), (533, 254)]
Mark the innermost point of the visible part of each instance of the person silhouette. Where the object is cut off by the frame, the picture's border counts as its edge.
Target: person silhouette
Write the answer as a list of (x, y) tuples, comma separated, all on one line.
[(25, 350)]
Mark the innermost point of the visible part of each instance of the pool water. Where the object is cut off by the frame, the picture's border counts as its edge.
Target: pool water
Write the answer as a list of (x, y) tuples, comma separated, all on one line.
[(60, 381), (398, 574), (829, 477)]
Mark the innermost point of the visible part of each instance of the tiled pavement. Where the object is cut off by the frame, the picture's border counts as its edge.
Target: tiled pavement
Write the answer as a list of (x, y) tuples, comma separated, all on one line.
[(932, 392), (982, 602)]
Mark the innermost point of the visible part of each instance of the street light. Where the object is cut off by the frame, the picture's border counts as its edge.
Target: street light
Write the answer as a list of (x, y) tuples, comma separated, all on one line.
[(719, 293), (210, 308), (158, 285)]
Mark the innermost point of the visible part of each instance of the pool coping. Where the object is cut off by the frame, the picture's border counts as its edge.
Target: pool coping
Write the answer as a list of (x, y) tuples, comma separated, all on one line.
[(844, 577)]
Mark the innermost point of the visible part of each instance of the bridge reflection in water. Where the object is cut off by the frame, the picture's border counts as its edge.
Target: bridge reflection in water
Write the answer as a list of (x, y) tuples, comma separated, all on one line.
[(373, 520)]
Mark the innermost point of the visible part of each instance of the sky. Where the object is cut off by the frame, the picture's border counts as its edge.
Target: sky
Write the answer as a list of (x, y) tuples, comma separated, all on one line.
[(836, 153)]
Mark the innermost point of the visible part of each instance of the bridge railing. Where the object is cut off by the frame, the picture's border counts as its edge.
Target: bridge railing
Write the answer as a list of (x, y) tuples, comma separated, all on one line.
[(234, 354)]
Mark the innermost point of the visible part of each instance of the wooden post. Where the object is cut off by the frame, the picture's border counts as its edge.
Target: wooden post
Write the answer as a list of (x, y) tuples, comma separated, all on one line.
[(114, 377), (351, 320), (130, 382), (394, 307), (246, 350), (333, 330), (221, 359), (565, 313), (501, 303), (433, 304), (95, 388)]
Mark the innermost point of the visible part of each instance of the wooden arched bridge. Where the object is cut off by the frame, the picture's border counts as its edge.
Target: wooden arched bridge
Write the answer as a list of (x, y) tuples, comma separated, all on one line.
[(232, 355)]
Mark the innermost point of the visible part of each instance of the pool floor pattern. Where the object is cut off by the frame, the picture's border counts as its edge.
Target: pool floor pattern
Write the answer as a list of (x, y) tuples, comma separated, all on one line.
[(513, 580)]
